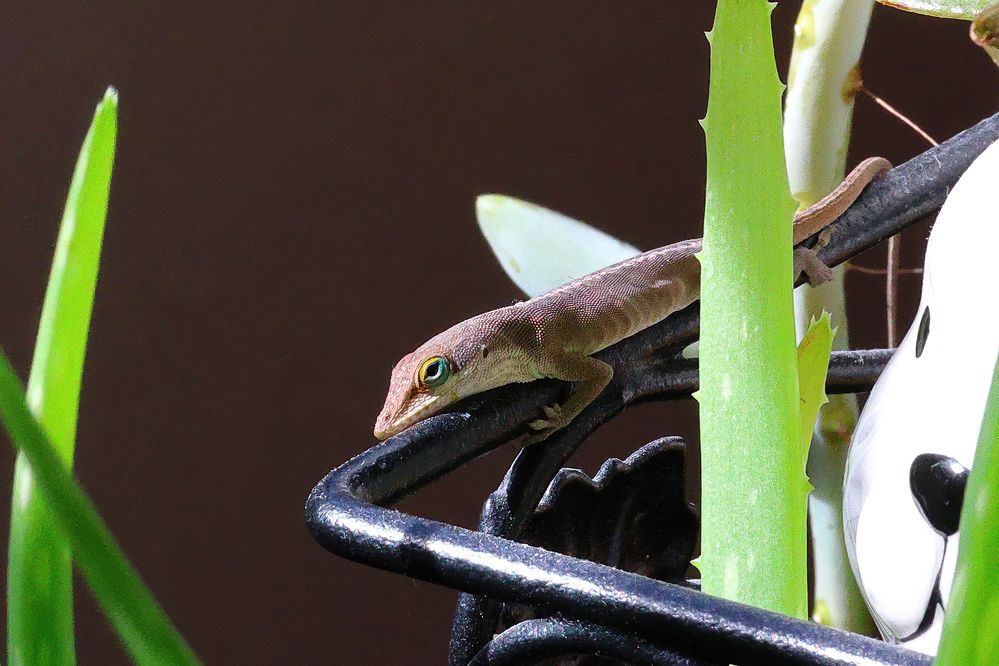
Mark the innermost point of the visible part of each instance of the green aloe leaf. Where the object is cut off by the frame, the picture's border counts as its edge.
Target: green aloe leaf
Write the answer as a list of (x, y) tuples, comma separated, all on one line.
[(39, 573), (753, 546), (146, 631), (971, 627), (954, 9)]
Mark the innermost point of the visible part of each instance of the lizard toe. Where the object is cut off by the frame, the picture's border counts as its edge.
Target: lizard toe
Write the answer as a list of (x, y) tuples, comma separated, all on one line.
[(807, 261), (539, 424)]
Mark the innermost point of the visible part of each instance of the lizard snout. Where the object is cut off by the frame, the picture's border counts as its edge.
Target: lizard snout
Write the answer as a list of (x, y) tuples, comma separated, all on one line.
[(397, 416)]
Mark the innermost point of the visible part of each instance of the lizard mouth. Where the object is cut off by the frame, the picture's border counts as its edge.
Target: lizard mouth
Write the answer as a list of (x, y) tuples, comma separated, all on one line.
[(393, 421)]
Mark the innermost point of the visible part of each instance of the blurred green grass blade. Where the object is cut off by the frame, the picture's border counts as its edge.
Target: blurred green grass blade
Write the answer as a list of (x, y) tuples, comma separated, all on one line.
[(753, 546), (971, 628), (39, 569), (146, 631), (57, 367)]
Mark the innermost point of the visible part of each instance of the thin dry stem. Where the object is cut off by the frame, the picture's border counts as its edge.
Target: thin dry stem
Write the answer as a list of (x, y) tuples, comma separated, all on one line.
[(895, 242)]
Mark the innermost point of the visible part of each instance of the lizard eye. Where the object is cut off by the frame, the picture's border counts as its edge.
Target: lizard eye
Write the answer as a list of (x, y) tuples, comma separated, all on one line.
[(434, 372)]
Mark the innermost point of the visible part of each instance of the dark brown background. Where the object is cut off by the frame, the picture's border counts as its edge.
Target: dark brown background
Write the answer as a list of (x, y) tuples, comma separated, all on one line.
[(292, 209)]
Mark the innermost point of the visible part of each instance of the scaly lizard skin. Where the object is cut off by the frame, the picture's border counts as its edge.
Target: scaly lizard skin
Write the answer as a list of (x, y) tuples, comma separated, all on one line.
[(553, 335)]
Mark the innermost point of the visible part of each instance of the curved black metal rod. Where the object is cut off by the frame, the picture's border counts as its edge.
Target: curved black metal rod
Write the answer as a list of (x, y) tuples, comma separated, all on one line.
[(903, 196), (434, 447), (535, 641), (343, 515)]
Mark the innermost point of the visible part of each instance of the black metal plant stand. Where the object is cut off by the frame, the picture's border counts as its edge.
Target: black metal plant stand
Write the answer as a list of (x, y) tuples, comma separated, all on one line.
[(556, 605)]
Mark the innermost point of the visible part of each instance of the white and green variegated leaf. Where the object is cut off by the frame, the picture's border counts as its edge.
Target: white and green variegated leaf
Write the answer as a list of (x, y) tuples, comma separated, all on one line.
[(541, 249), (955, 9)]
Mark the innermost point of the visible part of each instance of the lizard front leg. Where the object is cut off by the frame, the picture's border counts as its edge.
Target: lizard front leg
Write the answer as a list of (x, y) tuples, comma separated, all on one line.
[(591, 376)]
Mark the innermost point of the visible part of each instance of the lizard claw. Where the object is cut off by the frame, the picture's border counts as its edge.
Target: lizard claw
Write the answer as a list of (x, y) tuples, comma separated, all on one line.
[(546, 426), (807, 261), (553, 411), (539, 424), (554, 414)]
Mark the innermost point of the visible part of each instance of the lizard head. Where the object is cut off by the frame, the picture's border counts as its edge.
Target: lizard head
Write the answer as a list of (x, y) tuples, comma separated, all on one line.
[(448, 367)]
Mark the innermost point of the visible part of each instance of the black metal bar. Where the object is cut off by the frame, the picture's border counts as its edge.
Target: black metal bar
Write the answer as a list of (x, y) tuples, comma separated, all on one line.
[(534, 641), (856, 371), (907, 193), (692, 622), (852, 371)]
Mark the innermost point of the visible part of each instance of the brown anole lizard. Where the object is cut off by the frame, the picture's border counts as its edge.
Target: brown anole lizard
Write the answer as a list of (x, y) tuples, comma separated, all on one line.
[(554, 334)]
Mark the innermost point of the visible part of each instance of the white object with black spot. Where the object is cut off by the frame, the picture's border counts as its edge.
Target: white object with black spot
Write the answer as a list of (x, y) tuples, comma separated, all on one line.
[(916, 437)]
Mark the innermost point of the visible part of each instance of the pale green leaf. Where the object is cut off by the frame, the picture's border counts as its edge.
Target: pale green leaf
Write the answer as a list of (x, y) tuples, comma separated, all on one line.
[(813, 364), (953, 9), (541, 249)]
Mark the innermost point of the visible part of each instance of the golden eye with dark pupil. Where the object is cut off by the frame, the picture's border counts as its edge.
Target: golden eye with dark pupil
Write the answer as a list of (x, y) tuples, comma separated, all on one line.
[(434, 371)]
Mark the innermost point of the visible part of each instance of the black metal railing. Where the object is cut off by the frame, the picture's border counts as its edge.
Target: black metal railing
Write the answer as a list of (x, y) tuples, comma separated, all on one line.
[(585, 607)]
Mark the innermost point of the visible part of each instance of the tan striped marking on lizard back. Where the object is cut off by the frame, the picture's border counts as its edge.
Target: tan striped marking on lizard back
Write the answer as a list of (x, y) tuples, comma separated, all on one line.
[(608, 305)]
